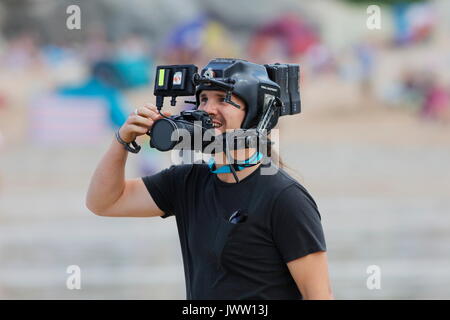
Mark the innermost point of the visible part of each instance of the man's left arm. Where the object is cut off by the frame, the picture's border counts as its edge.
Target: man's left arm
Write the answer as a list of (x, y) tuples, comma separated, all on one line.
[(311, 276)]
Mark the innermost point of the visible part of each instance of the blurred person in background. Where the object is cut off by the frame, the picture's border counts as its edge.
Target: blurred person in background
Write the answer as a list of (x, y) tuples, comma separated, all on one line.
[(436, 104), (97, 46), (426, 92), (365, 54), (133, 62), (288, 37), (22, 53), (105, 83), (197, 41), (258, 238)]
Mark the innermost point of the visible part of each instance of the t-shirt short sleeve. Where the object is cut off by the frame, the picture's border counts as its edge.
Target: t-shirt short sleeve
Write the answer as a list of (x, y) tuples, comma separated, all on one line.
[(163, 189), (296, 222)]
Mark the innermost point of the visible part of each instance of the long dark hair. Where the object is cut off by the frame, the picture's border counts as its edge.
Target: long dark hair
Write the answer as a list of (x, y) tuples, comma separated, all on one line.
[(276, 158)]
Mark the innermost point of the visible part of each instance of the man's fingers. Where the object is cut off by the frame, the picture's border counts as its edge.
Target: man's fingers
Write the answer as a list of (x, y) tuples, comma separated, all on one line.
[(141, 121), (146, 112), (150, 107), (150, 111), (138, 129)]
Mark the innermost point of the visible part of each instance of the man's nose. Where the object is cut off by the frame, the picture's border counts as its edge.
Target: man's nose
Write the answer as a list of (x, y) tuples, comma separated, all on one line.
[(210, 107)]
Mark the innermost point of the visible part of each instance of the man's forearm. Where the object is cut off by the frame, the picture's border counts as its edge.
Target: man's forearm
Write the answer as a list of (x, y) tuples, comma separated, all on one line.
[(108, 181)]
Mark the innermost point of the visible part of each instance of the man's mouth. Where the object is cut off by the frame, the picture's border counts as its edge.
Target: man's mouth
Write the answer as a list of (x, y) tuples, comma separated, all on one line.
[(217, 124)]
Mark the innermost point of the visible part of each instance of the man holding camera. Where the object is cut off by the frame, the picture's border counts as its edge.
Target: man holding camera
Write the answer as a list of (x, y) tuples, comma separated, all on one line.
[(259, 237)]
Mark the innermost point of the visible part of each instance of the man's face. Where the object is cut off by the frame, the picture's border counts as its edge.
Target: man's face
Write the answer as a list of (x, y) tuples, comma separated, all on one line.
[(224, 115)]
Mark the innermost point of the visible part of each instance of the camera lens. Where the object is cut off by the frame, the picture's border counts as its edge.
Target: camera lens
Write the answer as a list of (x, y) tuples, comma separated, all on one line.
[(191, 125), (161, 134), (167, 133)]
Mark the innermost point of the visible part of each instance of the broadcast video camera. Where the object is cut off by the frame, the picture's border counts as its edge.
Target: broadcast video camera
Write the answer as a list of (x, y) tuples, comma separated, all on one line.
[(269, 91)]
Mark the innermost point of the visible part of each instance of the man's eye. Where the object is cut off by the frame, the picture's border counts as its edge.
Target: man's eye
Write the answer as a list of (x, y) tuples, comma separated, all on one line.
[(220, 100)]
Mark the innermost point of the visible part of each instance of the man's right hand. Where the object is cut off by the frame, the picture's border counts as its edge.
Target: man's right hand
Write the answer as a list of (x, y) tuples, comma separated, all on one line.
[(140, 123)]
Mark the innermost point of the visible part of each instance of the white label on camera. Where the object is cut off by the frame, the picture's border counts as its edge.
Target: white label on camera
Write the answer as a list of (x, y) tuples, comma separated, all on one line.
[(177, 78)]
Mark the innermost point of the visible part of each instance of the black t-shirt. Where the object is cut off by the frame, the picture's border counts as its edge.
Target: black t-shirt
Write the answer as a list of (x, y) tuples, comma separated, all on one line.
[(244, 260)]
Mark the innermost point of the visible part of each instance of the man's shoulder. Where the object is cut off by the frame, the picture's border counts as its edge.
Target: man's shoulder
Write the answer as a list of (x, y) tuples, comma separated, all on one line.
[(280, 182), (276, 177)]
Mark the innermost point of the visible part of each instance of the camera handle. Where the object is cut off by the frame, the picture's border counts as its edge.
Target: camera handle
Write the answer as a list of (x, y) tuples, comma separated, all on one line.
[(274, 106), (262, 129)]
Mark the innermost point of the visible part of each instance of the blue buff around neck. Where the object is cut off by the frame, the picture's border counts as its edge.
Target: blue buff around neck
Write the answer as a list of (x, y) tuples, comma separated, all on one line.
[(226, 168)]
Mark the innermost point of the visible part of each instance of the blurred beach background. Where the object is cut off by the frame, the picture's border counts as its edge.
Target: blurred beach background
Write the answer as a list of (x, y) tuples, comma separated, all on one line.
[(372, 143)]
